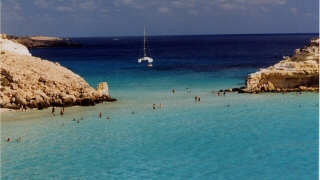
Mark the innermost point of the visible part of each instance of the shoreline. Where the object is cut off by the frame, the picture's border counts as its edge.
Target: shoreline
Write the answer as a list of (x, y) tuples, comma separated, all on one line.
[(8, 115), (4, 110)]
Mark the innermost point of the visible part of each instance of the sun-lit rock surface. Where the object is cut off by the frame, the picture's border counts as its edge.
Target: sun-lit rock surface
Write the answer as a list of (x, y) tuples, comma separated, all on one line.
[(38, 83), (299, 72)]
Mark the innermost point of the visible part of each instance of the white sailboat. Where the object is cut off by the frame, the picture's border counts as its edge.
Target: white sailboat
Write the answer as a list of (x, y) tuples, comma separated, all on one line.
[(145, 57)]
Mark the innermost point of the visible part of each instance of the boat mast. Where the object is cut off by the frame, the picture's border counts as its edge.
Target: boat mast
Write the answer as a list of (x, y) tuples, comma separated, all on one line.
[(144, 42)]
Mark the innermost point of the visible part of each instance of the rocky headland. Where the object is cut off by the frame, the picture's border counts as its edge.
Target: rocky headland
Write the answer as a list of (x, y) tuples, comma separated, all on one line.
[(297, 73), (38, 83), (42, 41)]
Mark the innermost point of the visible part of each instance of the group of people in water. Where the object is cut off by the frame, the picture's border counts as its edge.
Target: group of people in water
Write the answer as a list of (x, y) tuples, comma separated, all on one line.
[(74, 119), (154, 106), (61, 111), (18, 140), (100, 115)]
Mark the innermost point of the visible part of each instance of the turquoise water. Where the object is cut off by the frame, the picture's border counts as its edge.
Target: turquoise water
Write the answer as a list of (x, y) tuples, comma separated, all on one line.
[(258, 136)]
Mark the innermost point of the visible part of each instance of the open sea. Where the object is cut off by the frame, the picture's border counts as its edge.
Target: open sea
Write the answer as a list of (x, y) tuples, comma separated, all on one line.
[(258, 136)]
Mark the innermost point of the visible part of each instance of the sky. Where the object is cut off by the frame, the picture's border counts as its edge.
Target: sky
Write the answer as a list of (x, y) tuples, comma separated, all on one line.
[(102, 18)]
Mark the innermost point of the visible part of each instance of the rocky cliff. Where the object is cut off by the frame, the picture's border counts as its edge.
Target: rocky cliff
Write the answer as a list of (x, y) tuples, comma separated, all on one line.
[(38, 83), (43, 41), (296, 73)]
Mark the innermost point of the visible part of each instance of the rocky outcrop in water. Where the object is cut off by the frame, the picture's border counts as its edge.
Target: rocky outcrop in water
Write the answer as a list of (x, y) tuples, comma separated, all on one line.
[(297, 73), (43, 41), (38, 83)]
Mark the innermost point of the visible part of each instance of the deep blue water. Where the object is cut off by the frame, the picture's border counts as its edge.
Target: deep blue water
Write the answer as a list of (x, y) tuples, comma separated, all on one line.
[(259, 136), (238, 55)]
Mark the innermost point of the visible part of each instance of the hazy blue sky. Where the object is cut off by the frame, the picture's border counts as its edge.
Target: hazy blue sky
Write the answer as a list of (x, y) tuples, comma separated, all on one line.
[(81, 18)]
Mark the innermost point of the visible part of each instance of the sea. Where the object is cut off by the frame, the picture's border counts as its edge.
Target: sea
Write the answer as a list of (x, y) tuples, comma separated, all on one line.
[(231, 136)]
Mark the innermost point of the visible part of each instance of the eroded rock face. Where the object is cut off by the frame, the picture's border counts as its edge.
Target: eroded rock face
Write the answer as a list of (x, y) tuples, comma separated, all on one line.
[(37, 83), (103, 89), (302, 69)]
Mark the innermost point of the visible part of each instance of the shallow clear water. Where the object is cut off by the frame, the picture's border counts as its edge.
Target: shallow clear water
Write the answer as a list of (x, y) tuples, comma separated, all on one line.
[(259, 136)]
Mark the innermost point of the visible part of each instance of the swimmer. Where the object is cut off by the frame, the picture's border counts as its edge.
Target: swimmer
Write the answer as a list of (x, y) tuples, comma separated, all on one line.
[(108, 117), (81, 118), (174, 90), (154, 106), (8, 140), (18, 140), (132, 112), (199, 98), (218, 93), (74, 119), (160, 105), (78, 121), (196, 98), (100, 114), (228, 105)]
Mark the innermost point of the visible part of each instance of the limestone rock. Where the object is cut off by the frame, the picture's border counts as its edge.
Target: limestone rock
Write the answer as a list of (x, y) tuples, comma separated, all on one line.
[(270, 86), (40, 83), (103, 89), (302, 69), (19, 99)]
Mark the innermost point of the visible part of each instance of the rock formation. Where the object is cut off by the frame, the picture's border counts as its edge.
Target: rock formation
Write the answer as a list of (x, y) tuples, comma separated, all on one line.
[(37, 83), (296, 73), (42, 41)]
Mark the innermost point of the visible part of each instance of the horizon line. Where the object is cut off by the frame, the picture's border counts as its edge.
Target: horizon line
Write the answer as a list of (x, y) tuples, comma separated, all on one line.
[(240, 34)]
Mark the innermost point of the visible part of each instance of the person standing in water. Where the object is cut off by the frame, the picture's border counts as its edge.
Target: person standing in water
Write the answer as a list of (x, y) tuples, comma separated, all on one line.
[(100, 114)]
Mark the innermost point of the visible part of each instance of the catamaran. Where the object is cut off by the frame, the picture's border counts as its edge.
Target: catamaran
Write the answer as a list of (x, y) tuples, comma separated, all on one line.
[(145, 57)]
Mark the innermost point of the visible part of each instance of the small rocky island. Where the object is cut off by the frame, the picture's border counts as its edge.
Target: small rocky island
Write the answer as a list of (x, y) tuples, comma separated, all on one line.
[(43, 41), (38, 83), (297, 73)]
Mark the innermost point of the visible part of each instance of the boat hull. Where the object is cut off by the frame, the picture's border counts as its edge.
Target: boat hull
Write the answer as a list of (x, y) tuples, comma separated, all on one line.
[(150, 60)]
